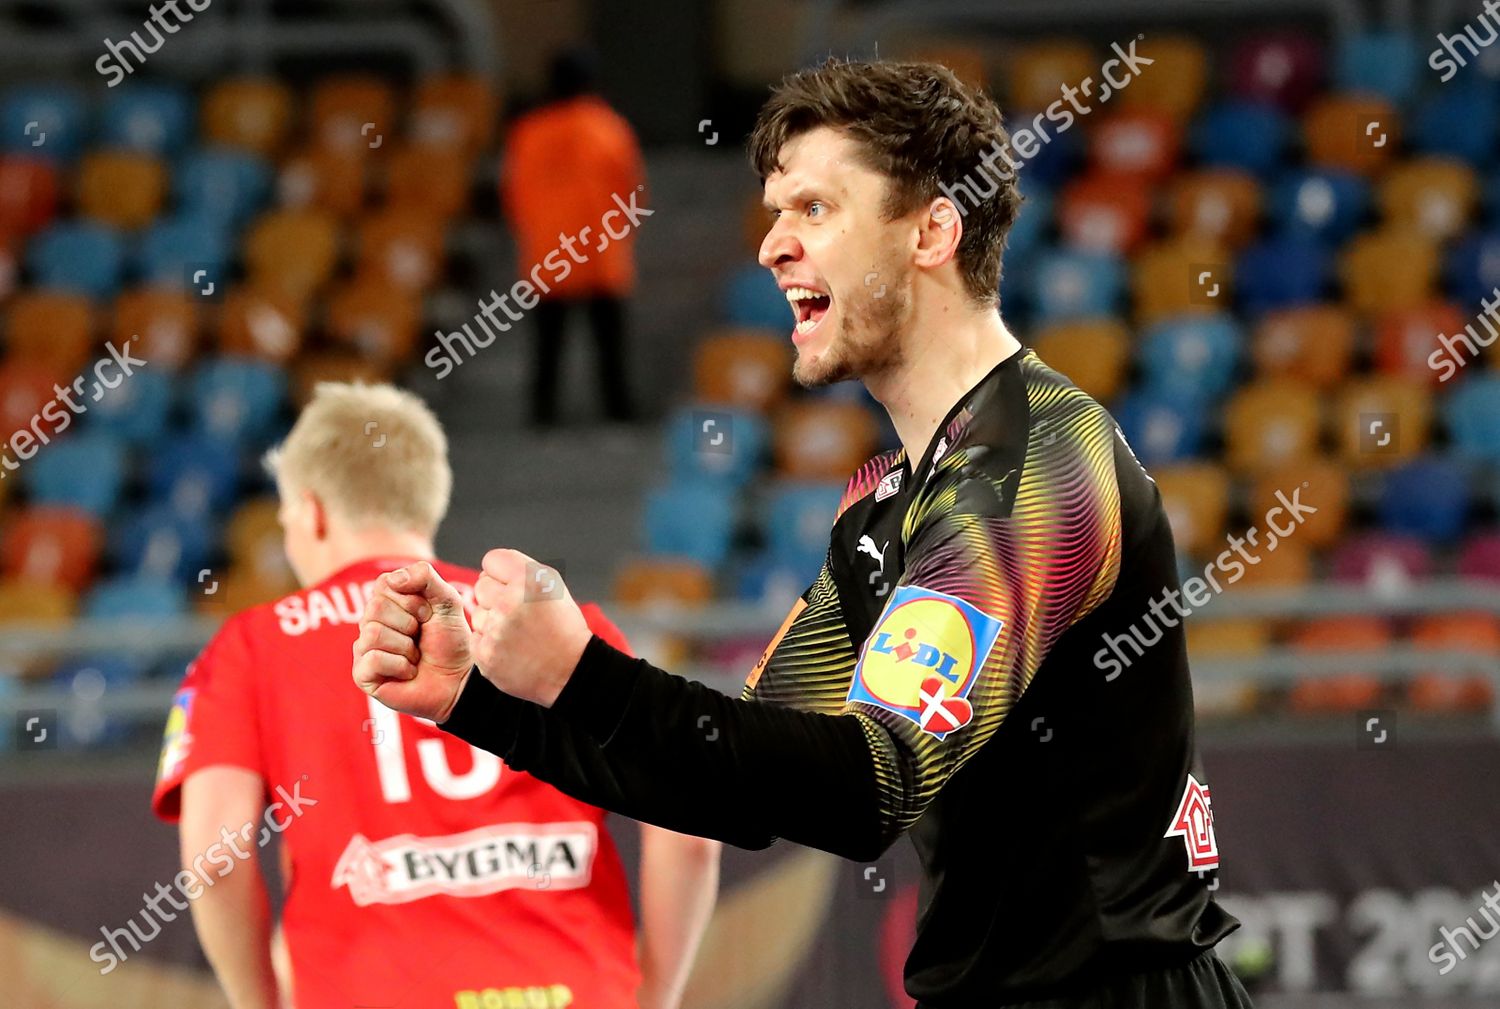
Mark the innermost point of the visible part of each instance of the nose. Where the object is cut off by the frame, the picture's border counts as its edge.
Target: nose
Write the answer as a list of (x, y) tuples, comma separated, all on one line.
[(779, 246)]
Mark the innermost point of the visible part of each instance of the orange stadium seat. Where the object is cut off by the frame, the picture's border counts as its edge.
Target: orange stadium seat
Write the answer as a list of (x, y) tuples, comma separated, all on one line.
[(354, 112), (32, 601), (293, 252), (267, 324), (1406, 338), (1240, 638), (254, 113), (324, 178), (755, 221), (1093, 353), (968, 62), (1318, 482), (1433, 196), (1289, 565), (240, 589), (52, 546), (10, 264), (402, 246), (1174, 83), (51, 328), (1388, 269), (1105, 213), (1355, 133), (823, 440), (1344, 692), (378, 320), (1370, 407), (1438, 690), (428, 179), (1039, 71), (336, 365), (746, 368), (121, 188), (255, 544), (166, 321), (1196, 498), (1138, 142), (653, 581), (25, 388), (1178, 277), (1311, 342), (28, 194), (1271, 422), (456, 111), (1220, 206)]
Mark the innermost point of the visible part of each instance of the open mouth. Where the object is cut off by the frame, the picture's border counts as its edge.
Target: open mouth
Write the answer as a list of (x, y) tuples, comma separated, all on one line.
[(808, 306)]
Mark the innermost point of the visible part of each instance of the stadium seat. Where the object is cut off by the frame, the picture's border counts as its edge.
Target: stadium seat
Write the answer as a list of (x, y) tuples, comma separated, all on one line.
[(1458, 120), (52, 546), (165, 321), (82, 722), (1432, 196), (1471, 270), (1040, 70), (269, 325), (1246, 135), (48, 121), (1139, 143), (751, 298), (1314, 343), (1471, 413), (77, 256), (1383, 562), (694, 520), (1426, 497), (1178, 89), (238, 399), (1179, 277), (711, 443), (1192, 356), (1447, 690), (1220, 206), (28, 194), (1289, 565), (292, 252), (354, 112), (239, 589), (405, 248), (222, 184), (153, 118), (330, 179), (1353, 691), (135, 411), (1241, 638), (1324, 204), (377, 319), (25, 388), (1271, 422), (434, 181), (1381, 420), (822, 440), (1386, 270), (1161, 429), (134, 598), (1282, 271), (25, 601), (1092, 353), (1196, 498), (1069, 285), (191, 253), (255, 544), (1479, 557), (10, 265), (1357, 133), (1284, 68), (52, 329), (1104, 213), (123, 189), (796, 521), (194, 473), (454, 111), (745, 368), (1384, 63), (967, 61), (86, 470), (1030, 227), (160, 542), (663, 581), (1318, 482), (312, 367), (252, 113), (1405, 340)]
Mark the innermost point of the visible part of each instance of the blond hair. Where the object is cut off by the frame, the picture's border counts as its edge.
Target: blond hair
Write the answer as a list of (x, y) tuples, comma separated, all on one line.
[(374, 454)]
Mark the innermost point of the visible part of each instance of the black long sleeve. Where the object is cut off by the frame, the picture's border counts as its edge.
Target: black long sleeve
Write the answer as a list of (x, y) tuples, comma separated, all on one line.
[(634, 739)]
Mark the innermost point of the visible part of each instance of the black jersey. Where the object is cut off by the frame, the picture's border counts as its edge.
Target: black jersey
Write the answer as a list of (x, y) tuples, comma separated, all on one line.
[(948, 673)]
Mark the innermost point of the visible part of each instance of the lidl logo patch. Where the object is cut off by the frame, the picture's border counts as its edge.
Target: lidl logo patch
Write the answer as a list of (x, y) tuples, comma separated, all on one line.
[(176, 738), (923, 657)]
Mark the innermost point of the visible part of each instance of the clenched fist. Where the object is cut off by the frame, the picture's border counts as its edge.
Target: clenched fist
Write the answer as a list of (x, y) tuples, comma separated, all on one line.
[(528, 631), (413, 651)]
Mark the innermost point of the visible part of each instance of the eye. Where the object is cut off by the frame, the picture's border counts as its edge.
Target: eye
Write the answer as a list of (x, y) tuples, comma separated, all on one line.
[(814, 207)]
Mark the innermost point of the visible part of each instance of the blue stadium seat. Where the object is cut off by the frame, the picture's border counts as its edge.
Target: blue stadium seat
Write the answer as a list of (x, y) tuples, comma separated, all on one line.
[(712, 443), (136, 410), (86, 469), (1243, 134), (1471, 270), (154, 118), (751, 298), (1193, 356), (797, 519), (1069, 284), (1459, 120), (44, 120), (87, 679), (764, 581), (171, 251), (194, 473), (135, 597), (1032, 225), (1384, 63), (1472, 415), (79, 256), (693, 519), (238, 399), (1161, 429), (158, 541), (1054, 162), (1280, 272), (1324, 204), (1426, 497), (222, 184)]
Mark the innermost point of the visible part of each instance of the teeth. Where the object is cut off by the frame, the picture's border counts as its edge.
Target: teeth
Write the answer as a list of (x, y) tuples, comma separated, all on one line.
[(795, 294), (805, 325)]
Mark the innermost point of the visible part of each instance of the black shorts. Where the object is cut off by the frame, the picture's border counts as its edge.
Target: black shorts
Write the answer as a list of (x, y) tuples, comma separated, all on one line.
[(1201, 983)]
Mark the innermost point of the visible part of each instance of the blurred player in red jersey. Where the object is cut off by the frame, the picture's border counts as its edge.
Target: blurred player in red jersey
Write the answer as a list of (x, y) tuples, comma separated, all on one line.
[(420, 871)]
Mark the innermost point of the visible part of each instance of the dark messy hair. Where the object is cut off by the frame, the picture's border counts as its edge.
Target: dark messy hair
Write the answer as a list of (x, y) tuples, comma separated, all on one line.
[(921, 127)]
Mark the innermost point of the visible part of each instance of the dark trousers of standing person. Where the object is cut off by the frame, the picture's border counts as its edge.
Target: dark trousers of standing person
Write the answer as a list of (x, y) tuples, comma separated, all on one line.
[(606, 317)]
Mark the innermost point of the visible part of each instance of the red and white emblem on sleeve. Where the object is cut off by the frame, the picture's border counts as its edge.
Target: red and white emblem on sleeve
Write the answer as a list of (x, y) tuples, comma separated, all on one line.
[(1194, 822)]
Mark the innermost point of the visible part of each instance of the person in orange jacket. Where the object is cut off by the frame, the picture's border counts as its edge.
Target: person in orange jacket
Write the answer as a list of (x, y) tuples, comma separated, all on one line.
[(571, 165)]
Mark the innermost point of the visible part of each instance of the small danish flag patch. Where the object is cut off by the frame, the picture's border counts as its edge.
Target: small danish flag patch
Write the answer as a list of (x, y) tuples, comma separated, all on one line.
[(1194, 822), (941, 713)]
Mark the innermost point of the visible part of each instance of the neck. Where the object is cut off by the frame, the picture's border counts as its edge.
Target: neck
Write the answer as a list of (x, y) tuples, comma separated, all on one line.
[(946, 355), (350, 546)]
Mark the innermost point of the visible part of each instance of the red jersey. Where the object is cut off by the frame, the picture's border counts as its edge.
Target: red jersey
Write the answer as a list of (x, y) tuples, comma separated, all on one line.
[(420, 871)]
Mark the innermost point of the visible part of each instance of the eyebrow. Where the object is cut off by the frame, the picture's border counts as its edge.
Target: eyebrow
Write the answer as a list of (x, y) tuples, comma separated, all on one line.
[(801, 194)]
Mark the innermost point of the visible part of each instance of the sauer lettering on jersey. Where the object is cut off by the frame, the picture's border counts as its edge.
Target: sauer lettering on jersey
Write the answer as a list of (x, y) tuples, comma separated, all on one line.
[(923, 658), (502, 856), (335, 604)]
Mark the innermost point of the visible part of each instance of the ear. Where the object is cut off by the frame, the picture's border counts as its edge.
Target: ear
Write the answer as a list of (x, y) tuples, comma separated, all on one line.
[(317, 515), (940, 227)]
